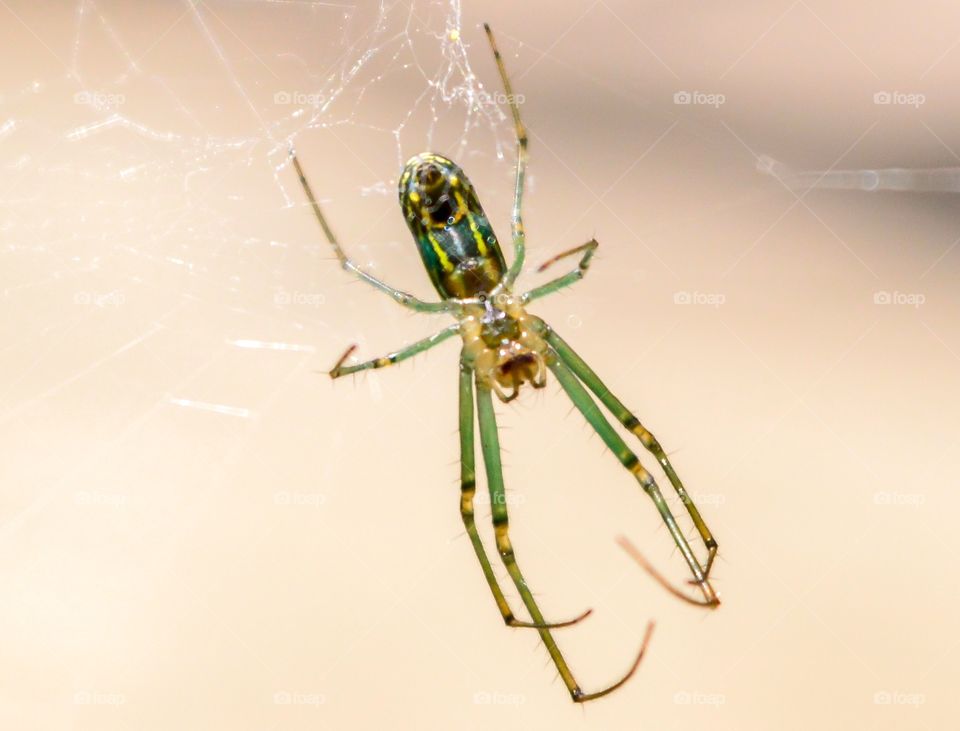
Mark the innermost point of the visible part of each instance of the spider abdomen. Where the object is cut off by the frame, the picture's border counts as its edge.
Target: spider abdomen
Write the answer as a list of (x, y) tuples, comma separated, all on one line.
[(453, 234)]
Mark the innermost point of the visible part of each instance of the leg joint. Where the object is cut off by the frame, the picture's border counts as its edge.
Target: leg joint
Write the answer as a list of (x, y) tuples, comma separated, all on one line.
[(504, 546), (639, 471), (467, 490)]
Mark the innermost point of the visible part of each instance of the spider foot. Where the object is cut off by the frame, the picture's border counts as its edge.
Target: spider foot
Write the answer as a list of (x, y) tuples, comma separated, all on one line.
[(337, 370), (580, 697), (514, 622), (710, 600)]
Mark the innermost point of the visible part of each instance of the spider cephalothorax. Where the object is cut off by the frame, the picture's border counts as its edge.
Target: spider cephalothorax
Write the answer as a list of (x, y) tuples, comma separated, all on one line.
[(503, 343)]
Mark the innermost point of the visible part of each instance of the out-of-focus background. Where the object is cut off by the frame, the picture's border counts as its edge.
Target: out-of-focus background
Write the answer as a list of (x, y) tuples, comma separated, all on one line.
[(199, 529)]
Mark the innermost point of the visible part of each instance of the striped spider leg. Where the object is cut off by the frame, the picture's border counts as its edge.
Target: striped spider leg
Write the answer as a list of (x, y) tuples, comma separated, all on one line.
[(504, 348), (583, 371)]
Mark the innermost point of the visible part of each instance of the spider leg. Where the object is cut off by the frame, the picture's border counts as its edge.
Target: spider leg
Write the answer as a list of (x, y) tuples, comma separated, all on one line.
[(387, 360), (490, 445), (516, 220), (567, 279), (581, 399), (403, 298), (635, 554), (586, 374), (468, 487)]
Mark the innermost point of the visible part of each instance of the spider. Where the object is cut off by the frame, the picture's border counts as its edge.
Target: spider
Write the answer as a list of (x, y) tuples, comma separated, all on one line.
[(504, 348)]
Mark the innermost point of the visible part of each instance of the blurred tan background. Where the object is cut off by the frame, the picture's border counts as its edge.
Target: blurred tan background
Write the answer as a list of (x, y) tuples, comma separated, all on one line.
[(199, 530)]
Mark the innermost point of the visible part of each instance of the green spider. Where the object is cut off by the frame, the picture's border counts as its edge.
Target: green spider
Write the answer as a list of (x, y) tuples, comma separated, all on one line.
[(505, 347)]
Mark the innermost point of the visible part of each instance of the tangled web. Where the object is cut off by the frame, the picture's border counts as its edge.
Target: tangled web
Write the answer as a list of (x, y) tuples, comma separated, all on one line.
[(141, 145), (371, 50)]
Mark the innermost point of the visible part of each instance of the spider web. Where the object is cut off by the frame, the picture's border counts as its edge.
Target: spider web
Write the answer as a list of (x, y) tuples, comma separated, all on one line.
[(146, 163)]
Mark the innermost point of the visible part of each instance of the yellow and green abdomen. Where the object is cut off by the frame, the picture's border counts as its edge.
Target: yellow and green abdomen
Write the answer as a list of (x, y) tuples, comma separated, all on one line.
[(456, 242)]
